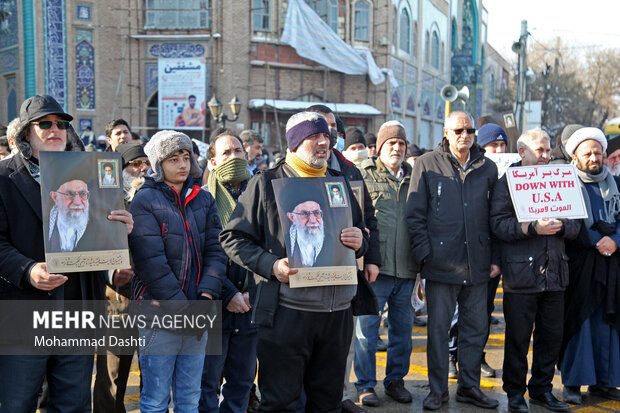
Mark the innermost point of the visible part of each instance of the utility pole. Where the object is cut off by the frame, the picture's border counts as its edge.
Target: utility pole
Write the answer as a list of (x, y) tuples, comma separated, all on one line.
[(520, 47)]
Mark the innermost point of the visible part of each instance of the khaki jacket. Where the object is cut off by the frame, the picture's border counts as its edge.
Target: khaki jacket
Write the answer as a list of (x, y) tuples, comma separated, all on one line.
[(389, 197)]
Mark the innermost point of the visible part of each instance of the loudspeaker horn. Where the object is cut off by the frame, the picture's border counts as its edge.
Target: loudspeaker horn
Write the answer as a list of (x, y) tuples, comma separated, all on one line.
[(516, 47), (449, 93), (463, 93)]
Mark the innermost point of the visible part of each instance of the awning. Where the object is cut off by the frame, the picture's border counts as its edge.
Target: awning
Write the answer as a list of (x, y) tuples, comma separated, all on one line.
[(360, 109)]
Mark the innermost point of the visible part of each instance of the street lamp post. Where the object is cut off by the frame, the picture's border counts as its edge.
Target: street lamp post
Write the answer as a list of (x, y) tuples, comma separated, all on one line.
[(215, 107)]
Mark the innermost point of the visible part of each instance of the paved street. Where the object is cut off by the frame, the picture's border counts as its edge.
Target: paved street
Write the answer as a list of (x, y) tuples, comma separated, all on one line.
[(417, 382)]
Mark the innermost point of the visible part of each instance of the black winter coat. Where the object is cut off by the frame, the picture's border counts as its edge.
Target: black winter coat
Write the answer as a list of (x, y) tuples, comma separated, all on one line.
[(530, 264), (448, 216), (158, 241), (21, 239)]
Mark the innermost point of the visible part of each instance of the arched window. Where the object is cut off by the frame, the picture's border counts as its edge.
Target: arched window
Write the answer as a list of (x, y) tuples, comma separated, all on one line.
[(327, 10), (362, 21), (404, 40), (435, 50), (414, 39)]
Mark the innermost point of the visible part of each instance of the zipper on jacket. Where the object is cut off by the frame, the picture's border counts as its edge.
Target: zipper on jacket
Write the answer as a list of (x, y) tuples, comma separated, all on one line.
[(178, 199)]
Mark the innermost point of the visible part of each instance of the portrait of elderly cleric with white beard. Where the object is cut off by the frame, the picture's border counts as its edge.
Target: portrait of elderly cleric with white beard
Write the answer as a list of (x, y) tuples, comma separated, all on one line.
[(68, 216), (307, 234), (311, 224)]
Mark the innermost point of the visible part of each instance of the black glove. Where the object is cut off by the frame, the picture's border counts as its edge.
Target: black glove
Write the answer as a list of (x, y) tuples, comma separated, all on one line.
[(604, 228)]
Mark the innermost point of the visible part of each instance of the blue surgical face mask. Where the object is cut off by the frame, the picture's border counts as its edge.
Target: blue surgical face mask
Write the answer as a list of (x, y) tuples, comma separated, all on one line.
[(339, 144)]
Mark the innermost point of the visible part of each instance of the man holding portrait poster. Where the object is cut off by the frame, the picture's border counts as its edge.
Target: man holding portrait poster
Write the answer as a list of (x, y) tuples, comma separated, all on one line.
[(44, 126), (307, 328), (535, 270)]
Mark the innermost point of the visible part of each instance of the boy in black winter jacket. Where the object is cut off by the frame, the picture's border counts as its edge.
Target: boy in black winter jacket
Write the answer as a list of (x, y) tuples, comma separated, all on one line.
[(177, 256)]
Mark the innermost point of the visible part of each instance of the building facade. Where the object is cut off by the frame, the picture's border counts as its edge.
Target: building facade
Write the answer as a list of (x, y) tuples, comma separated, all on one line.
[(100, 60)]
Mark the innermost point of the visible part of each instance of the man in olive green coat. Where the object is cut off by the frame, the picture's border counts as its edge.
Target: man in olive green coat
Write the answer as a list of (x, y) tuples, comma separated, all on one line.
[(387, 179)]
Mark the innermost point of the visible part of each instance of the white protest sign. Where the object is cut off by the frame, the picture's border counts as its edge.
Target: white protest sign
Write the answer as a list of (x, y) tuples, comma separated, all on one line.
[(503, 161), (546, 191)]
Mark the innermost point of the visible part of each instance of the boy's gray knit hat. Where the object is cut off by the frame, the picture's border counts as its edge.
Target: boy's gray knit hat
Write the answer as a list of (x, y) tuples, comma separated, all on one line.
[(163, 145)]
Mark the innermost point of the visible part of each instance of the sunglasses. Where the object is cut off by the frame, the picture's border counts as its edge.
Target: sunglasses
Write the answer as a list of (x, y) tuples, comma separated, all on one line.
[(46, 124), (138, 163), (470, 131)]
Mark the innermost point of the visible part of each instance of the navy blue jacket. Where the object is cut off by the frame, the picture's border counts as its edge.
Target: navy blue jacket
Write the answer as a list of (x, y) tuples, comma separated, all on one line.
[(162, 253)]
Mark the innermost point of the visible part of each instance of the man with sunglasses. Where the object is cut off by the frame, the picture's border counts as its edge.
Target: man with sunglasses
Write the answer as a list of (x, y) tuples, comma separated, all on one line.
[(44, 126), (448, 220), (135, 165)]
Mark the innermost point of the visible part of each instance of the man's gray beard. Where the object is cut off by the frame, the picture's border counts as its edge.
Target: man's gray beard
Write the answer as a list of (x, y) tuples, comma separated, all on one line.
[(310, 158), (127, 180), (309, 243), (615, 170), (75, 220)]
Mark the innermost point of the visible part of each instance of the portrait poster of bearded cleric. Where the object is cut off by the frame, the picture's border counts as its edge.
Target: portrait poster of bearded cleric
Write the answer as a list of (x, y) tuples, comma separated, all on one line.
[(312, 221), (75, 206)]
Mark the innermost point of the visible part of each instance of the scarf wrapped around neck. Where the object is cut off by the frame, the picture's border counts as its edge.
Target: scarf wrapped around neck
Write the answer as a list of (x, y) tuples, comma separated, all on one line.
[(609, 193), (303, 169), (233, 171)]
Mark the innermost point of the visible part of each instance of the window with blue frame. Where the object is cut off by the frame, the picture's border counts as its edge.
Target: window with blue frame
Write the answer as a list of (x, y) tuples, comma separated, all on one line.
[(362, 21), (261, 15)]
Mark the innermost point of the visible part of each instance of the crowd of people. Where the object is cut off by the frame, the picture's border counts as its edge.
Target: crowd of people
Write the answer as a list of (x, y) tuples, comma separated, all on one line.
[(213, 232)]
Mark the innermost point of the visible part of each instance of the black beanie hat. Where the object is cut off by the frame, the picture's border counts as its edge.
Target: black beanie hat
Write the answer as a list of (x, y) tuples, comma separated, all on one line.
[(130, 151), (353, 136), (371, 139)]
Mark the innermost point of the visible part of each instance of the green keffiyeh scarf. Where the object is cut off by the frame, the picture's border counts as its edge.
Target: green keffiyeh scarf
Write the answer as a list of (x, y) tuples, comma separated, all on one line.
[(234, 170)]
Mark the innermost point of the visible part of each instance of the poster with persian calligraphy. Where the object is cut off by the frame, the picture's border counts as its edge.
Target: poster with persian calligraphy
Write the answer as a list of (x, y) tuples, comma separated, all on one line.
[(313, 212), (546, 191), (78, 191)]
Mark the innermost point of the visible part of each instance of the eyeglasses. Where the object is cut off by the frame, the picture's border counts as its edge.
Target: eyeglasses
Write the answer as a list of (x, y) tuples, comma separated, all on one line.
[(470, 131), (70, 194), (138, 163), (306, 214), (46, 124)]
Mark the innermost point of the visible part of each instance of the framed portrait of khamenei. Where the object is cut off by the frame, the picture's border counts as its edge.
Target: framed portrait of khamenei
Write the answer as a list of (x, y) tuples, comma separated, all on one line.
[(78, 191), (313, 212)]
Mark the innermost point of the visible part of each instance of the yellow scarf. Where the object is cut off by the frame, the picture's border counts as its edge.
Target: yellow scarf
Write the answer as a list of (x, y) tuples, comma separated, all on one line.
[(303, 169)]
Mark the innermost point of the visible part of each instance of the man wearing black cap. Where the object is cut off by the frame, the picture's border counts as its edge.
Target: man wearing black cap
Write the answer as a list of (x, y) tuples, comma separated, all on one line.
[(304, 333), (371, 144), (135, 165), (44, 126), (355, 146)]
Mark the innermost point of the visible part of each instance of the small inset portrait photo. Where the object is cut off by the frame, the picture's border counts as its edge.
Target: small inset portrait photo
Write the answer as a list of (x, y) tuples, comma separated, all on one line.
[(336, 195), (509, 121), (108, 173)]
